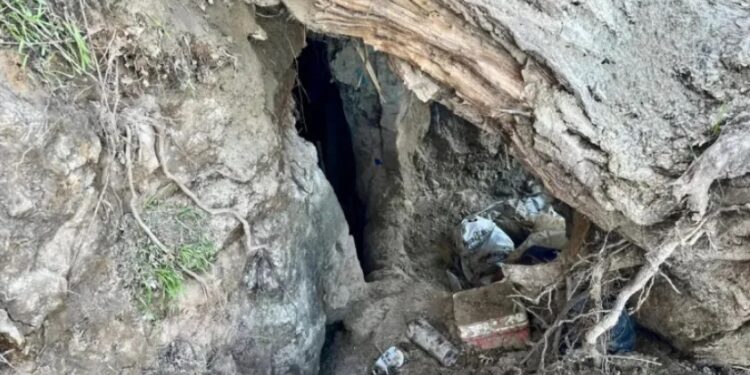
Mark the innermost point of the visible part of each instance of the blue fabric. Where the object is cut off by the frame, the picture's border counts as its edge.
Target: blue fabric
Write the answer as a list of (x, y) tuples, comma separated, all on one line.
[(622, 335), (538, 254)]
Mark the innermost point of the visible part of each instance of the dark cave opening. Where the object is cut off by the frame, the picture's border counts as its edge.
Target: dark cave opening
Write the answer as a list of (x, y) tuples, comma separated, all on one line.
[(321, 121)]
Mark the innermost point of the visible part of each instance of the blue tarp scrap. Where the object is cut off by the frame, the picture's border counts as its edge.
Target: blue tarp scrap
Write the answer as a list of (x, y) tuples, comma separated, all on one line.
[(622, 335)]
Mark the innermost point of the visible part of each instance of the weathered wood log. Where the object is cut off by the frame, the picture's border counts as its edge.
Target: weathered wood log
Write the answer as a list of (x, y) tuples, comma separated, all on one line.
[(634, 113)]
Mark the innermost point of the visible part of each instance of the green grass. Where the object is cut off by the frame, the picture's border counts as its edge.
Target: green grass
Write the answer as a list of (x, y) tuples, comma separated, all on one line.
[(189, 214), (39, 33), (170, 280), (196, 257), (160, 277)]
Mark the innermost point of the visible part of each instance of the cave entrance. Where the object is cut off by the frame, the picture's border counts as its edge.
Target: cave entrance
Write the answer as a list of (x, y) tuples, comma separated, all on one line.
[(322, 122)]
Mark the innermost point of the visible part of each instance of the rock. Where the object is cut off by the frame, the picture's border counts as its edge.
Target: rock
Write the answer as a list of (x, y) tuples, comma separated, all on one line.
[(180, 357), (9, 333), (72, 270), (31, 296), (46, 193), (222, 364)]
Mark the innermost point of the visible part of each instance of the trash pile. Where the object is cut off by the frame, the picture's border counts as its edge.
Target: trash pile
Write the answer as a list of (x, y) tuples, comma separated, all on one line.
[(486, 276), (484, 246)]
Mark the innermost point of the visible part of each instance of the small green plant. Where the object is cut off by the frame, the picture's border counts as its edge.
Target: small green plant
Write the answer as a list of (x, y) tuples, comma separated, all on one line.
[(189, 214), (42, 34), (196, 257), (161, 277), (170, 280), (721, 118)]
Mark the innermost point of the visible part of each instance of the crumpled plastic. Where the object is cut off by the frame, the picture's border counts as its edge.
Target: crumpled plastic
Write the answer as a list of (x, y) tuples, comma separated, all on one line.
[(622, 336), (389, 361), (484, 246), (546, 227)]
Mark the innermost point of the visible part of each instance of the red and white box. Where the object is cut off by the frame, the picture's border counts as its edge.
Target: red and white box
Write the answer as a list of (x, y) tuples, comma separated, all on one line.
[(487, 318)]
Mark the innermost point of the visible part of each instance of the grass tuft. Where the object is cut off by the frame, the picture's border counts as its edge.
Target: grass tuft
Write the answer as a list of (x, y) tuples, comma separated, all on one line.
[(40, 33), (170, 280), (196, 257), (161, 278)]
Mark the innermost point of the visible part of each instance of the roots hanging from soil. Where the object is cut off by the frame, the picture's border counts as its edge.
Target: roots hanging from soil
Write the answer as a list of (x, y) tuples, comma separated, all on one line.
[(654, 260), (577, 334)]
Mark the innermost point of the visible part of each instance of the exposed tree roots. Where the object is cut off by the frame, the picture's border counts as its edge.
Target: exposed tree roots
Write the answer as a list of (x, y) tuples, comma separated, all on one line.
[(654, 260), (185, 190)]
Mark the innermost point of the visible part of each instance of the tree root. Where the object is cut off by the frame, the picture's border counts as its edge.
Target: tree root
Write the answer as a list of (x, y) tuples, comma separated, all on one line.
[(654, 260), (5, 361), (134, 210), (185, 190)]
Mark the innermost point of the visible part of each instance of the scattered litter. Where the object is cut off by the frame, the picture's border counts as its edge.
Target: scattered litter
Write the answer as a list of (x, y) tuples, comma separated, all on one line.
[(390, 360), (521, 216), (487, 318), (428, 338), (546, 227), (482, 233), (484, 245), (258, 34), (529, 207), (622, 335), (532, 279)]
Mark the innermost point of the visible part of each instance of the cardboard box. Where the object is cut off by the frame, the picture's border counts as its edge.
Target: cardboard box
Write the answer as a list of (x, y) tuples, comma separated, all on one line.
[(488, 319)]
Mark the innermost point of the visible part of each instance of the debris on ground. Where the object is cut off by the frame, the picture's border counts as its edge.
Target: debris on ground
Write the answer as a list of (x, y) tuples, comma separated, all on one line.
[(391, 360), (433, 342), (484, 245), (545, 226), (532, 279), (487, 318), (622, 336), (522, 216)]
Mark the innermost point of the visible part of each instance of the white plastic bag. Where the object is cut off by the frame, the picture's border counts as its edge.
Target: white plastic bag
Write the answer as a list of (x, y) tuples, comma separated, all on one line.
[(484, 246)]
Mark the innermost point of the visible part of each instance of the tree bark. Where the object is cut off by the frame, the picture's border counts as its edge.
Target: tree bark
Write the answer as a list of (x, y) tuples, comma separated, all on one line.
[(635, 113)]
